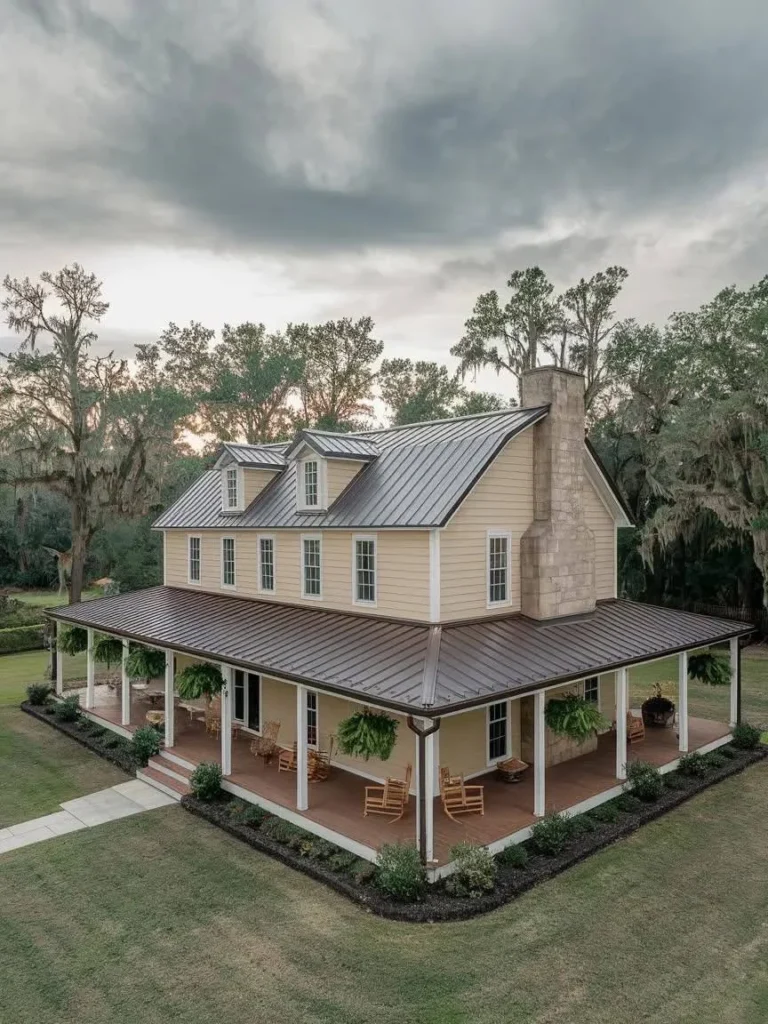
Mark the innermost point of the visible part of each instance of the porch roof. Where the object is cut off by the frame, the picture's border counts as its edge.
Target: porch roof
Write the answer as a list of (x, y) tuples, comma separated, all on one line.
[(411, 667)]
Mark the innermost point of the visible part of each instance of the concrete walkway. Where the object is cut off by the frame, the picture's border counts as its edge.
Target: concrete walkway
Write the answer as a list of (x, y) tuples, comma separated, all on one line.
[(85, 812)]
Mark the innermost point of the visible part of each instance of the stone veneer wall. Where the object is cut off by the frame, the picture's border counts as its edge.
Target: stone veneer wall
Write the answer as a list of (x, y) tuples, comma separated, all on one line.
[(558, 748), (557, 551)]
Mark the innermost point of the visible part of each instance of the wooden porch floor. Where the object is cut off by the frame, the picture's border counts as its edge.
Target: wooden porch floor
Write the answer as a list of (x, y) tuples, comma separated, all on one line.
[(338, 803)]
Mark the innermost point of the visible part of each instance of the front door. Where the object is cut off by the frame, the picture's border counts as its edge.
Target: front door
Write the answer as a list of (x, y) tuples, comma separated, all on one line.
[(247, 706)]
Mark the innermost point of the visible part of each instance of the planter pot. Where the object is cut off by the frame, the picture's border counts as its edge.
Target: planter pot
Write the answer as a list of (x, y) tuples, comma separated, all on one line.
[(657, 712)]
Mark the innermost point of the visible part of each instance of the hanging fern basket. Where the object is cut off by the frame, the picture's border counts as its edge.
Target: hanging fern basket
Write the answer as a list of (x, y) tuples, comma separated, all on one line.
[(73, 640), (367, 734), (145, 663), (710, 669), (574, 717), (108, 650), (200, 680)]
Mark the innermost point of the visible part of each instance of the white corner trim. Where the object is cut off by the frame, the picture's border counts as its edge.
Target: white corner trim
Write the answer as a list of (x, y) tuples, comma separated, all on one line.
[(434, 574)]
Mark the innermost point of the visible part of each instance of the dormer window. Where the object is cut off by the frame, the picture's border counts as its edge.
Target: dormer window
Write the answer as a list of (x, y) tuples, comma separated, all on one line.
[(311, 485), (232, 489)]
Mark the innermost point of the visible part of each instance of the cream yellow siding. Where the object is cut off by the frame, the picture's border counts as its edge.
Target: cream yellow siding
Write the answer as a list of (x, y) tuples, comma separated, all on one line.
[(402, 568), (254, 482), (464, 740), (340, 473), (501, 499), (603, 526)]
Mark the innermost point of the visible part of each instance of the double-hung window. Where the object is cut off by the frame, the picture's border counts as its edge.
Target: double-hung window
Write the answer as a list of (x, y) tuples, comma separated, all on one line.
[(592, 690), (498, 731), (311, 567), (365, 570), (194, 559), (498, 568), (311, 484), (233, 489), (227, 561), (267, 564), (311, 718)]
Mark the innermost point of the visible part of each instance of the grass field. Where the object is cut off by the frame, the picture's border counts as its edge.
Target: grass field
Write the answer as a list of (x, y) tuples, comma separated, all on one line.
[(50, 598), (17, 671), (40, 768), (162, 917)]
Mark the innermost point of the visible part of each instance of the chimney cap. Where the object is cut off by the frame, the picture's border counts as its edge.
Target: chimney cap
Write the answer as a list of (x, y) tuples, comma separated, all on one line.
[(551, 368)]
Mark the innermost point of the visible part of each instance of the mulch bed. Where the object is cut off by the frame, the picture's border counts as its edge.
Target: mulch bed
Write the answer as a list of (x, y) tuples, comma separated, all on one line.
[(119, 755), (438, 905)]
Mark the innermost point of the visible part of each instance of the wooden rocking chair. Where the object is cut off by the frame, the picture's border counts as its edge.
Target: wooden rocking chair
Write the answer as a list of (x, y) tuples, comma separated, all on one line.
[(266, 745), (213, 719), (319, 763), (391, 798), (286, 759), (459, 798), (635, 728)]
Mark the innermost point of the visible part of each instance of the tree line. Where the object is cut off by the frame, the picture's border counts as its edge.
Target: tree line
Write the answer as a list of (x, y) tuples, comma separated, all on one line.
[(92, 446)]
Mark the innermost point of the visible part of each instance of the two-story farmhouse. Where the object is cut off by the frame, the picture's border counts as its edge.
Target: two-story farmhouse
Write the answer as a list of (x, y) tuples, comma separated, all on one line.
[(456, 575)]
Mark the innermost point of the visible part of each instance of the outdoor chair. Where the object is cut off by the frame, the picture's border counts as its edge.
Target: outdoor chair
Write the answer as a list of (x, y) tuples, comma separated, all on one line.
[(286, 760), (511, 769), (213, 719), (635, 728), (446, 779), (319, 764), (460, 798), (266, 745), (391, 798)]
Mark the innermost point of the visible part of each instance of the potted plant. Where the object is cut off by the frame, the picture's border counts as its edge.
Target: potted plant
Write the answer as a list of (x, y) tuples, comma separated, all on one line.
[(108, 650), (657, 710), (573, 716), (367, 734), (710, 669), (200, 680), (73, 640), (145, 663)]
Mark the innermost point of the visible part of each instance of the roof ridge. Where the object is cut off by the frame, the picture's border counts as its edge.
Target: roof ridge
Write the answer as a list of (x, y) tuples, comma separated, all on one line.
[(455, 419)]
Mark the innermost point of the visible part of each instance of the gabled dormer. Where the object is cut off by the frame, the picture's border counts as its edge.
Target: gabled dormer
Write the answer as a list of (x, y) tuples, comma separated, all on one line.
[(326, 464), (245, 472)]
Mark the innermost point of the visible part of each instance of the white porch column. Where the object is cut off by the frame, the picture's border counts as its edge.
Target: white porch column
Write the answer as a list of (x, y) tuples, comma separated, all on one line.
[(90, 672), (429, 789), (733, 718), (125, 688), (59, 667), (622, 706), (539, 755), (169, 706), (302, 789), (682, 701), (226, 721)]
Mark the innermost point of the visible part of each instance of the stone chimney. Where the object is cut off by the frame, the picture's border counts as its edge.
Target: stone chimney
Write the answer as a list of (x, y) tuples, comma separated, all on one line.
[(557, 551)]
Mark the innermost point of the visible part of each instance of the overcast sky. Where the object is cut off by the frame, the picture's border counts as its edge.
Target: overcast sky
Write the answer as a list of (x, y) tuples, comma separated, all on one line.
[(285, 160)]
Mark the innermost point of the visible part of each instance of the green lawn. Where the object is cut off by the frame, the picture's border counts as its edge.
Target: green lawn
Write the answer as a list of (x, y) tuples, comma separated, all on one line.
[(50, 598), (708, 701), (40, 768), (17, 671), (162, 917)]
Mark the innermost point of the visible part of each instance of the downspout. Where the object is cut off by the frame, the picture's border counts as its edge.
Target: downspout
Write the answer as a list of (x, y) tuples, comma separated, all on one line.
[(738, 684), (422, 735)]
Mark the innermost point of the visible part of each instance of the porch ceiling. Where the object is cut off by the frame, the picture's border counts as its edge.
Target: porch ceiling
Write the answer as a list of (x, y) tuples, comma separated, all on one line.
[(385, 660)]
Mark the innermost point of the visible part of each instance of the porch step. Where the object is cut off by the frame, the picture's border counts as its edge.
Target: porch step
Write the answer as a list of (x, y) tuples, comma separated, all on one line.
[(171, 769), (182, 762), (165, 783)]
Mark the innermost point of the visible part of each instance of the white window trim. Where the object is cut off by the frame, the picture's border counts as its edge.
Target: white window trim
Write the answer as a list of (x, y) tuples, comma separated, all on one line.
[(259, 538), (241, 721), (225, 507), (303, 537), (599, 702), (190, 538), (490, 535), (322, 484), (490, 763), (228, 586), (355, 599), (314, 746)]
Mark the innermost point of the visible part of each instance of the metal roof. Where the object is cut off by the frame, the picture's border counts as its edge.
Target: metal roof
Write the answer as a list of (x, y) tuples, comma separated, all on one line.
[(406, 666), (421, 475), (336, 446), (261, 456)]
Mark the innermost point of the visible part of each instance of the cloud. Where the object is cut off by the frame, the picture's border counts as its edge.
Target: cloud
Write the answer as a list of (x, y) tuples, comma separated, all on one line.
[(303, 127)]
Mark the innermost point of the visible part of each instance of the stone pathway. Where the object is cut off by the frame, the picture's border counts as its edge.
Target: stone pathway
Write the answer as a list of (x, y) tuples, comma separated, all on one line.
[(85, 812)]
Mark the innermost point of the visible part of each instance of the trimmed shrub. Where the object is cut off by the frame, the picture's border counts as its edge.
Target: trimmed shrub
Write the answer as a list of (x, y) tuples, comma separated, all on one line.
[(628, 803), (606, 814), (515, 856), (582, 825), (39, 693), (145, 744), (281, 831), (673, 781), (22, 638), (475, 872), (248, 814), (727, 752), (205, 781), (343, 861), (68, 709), (693, 765), (715, 760), (552, 834), (19, 613), (745, 736), (321, 849), (400, 873), (644, 780), (362, 871)]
